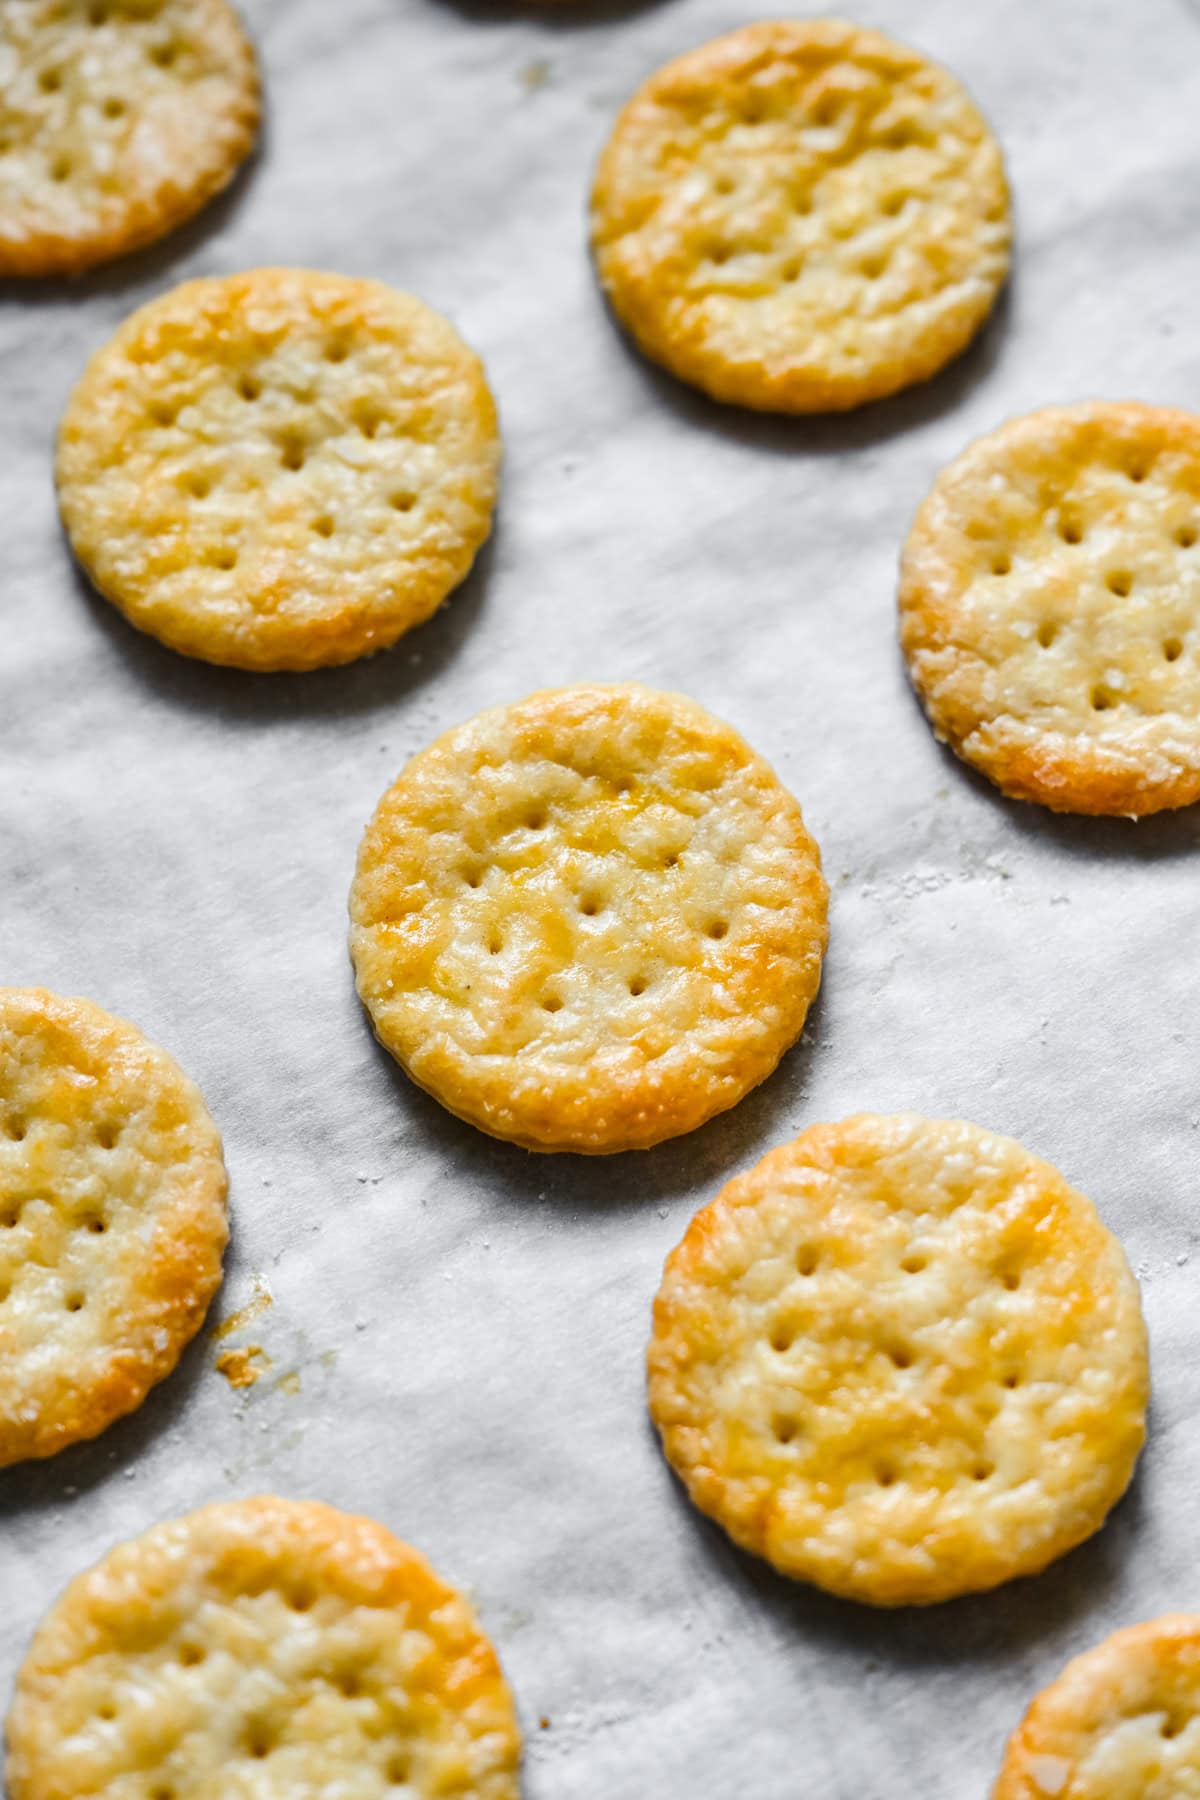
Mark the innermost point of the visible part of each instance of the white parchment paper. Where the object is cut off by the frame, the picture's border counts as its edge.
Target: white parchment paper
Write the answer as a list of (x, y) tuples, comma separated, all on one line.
[(465, 1323)]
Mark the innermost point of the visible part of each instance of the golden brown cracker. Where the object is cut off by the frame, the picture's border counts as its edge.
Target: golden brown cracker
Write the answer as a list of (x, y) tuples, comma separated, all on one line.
[(1048, 603), (801, 216), (267, 1647), (112, 1219), (281, 469), (119, 119), (1122, 1722), (901, 1359), (590, 920)]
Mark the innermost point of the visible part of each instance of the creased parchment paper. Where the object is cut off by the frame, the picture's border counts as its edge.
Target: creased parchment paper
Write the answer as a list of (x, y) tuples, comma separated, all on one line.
[(455, 1335)]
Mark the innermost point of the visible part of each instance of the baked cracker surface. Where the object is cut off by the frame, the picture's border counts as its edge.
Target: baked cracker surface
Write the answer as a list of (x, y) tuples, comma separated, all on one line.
[(280, 469), (119, 119), (112, 1219), (801, 216), (265, 1648), (1122, 1722), (900, 1359), (590, 920), (1049, 596)]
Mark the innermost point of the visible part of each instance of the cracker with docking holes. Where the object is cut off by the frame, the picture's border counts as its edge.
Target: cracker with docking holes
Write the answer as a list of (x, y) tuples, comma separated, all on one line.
[(1049, 599), (901, 1359), (262, 1648), (119, 119), (801, 216), (1122, 1722), (588, 921), (112, 1219), (280, 469)]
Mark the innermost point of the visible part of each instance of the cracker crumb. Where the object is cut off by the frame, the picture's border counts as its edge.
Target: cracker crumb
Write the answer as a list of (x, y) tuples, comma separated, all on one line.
[(242, 1368), (254, 1309)]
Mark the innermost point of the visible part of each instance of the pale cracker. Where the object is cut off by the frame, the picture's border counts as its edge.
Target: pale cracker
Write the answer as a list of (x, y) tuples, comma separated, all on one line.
[(588, 921), (901, 1359), (1049, 603), (279, 469), (112, 1219), (1122, 1722), (270, 1649), (801, 216), (119, 119)]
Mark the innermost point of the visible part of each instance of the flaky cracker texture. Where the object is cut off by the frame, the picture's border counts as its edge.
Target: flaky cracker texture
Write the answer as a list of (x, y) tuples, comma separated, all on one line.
[(119, 119), (1122, 1722), (112, 1219), (1049, 595), (801, 216), (272, 1649), (281, 469), (901, 1359), (590, 920)]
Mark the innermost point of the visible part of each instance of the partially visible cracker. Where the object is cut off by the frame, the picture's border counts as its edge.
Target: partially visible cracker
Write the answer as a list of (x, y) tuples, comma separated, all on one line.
[(901, 1359), (1122, 1722), (588, 921), (112, 1219), (1049, 603), (267, 1647), (119, 119), (281, 469), (801, 216)]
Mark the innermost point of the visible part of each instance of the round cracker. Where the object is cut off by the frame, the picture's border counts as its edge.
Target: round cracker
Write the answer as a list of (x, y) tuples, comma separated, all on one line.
[(1122, 1722), (588, 921), (119, 119), (801, 216), (280, 469), (900, 1359), (1049, 598), (267, 1647), (112, 1219)]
